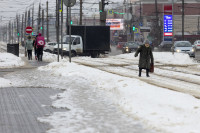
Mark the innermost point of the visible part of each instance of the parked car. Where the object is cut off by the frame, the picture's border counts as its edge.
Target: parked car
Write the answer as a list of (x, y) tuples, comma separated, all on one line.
[(183, 47), (120, 45), (49, 46), (165, 46), (130, 47)]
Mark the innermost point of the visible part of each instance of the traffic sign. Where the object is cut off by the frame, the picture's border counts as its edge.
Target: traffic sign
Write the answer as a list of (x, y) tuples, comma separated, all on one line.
[(60, 5), (145, 29), (136, 30), (69, 3), (110, 12), (29, 29)]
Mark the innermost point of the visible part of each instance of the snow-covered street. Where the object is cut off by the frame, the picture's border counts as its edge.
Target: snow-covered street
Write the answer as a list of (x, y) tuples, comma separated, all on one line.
[(106, 95)]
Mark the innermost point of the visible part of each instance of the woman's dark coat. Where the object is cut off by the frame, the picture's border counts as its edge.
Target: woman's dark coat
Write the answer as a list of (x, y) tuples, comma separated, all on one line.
[(146, 57)]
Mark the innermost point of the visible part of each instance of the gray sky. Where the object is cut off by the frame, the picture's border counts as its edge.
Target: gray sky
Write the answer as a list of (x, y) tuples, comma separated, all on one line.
[(9, 8)]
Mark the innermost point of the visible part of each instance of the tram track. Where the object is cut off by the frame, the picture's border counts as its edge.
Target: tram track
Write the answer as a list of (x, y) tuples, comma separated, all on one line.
[(187, 84)]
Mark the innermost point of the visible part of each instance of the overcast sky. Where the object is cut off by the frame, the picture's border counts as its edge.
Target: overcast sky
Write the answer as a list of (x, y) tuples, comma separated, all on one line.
[(9, 8)]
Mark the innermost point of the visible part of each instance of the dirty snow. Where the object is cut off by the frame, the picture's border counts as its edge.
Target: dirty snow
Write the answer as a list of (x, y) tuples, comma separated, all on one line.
[(157, 108)]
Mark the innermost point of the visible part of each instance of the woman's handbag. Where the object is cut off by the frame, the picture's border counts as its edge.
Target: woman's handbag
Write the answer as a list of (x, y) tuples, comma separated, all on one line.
[(152, 68)]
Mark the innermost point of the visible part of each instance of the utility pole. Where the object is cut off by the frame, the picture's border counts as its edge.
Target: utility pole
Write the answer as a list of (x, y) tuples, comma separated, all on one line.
[(43, 22), (38, 31), (8, 32), (57, 26), (156, 8), (158, 30), (198, 26), (140, 11), (70, 41), (47, 31), (25, 25), (127, 22), (131, 23), (61, 29), (67, 21), (33, 17), (12, 33), (14, 30), (29, 18), (102, 13), (1, 31), (18, 28), (81, 12), (22, 27), (183, 20)]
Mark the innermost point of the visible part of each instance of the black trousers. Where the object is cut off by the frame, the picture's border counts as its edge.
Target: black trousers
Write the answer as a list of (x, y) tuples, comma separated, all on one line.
[(35, 51), (39, 53), (29, 54)]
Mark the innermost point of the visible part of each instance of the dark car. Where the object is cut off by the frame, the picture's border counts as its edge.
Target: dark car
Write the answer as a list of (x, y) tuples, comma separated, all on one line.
[(165, 46), (120, 45), (130, 47)]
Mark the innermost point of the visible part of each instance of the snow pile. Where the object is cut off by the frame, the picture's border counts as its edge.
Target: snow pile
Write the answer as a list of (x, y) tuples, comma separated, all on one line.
[(5, 83), (48, 57), (164, 58), (160, 109), (169, 58), (8, 60)]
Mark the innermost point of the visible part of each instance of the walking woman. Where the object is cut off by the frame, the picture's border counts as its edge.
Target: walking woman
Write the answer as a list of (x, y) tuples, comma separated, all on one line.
[(146, 57), (29, 47)]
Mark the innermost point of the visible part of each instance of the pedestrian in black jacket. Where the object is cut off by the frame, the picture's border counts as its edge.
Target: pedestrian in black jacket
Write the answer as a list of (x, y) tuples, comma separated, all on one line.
[(35, 49), (146, 57)]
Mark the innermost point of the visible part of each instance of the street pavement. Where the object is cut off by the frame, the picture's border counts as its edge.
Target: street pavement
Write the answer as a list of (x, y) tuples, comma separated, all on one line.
[(20, 108)]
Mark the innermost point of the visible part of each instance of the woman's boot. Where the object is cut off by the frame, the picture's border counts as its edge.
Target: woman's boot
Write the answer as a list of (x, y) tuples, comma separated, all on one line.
[(140, 72), (147, 72)]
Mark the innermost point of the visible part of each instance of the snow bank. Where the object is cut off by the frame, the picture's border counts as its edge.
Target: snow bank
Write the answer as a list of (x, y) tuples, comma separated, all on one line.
[(169, 58), (158, 108), (5, 83), (48, 57), (8, 60), (165, 58)]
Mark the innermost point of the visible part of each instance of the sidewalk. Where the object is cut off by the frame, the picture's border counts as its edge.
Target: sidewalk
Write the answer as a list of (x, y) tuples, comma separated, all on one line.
[(20, 108)]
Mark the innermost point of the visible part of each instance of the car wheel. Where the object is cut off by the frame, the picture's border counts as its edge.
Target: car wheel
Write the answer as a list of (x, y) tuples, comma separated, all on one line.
[(54, 51), (73, 54)]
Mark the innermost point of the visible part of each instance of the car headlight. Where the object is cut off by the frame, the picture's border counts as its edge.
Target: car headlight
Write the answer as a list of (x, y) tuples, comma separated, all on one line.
[(178, 50), (192, 49), (127, 49), (64, 48)]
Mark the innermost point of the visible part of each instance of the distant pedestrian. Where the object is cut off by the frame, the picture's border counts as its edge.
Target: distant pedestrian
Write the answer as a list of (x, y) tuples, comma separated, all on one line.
[(146, 57), (40, 43), (29, 47)]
